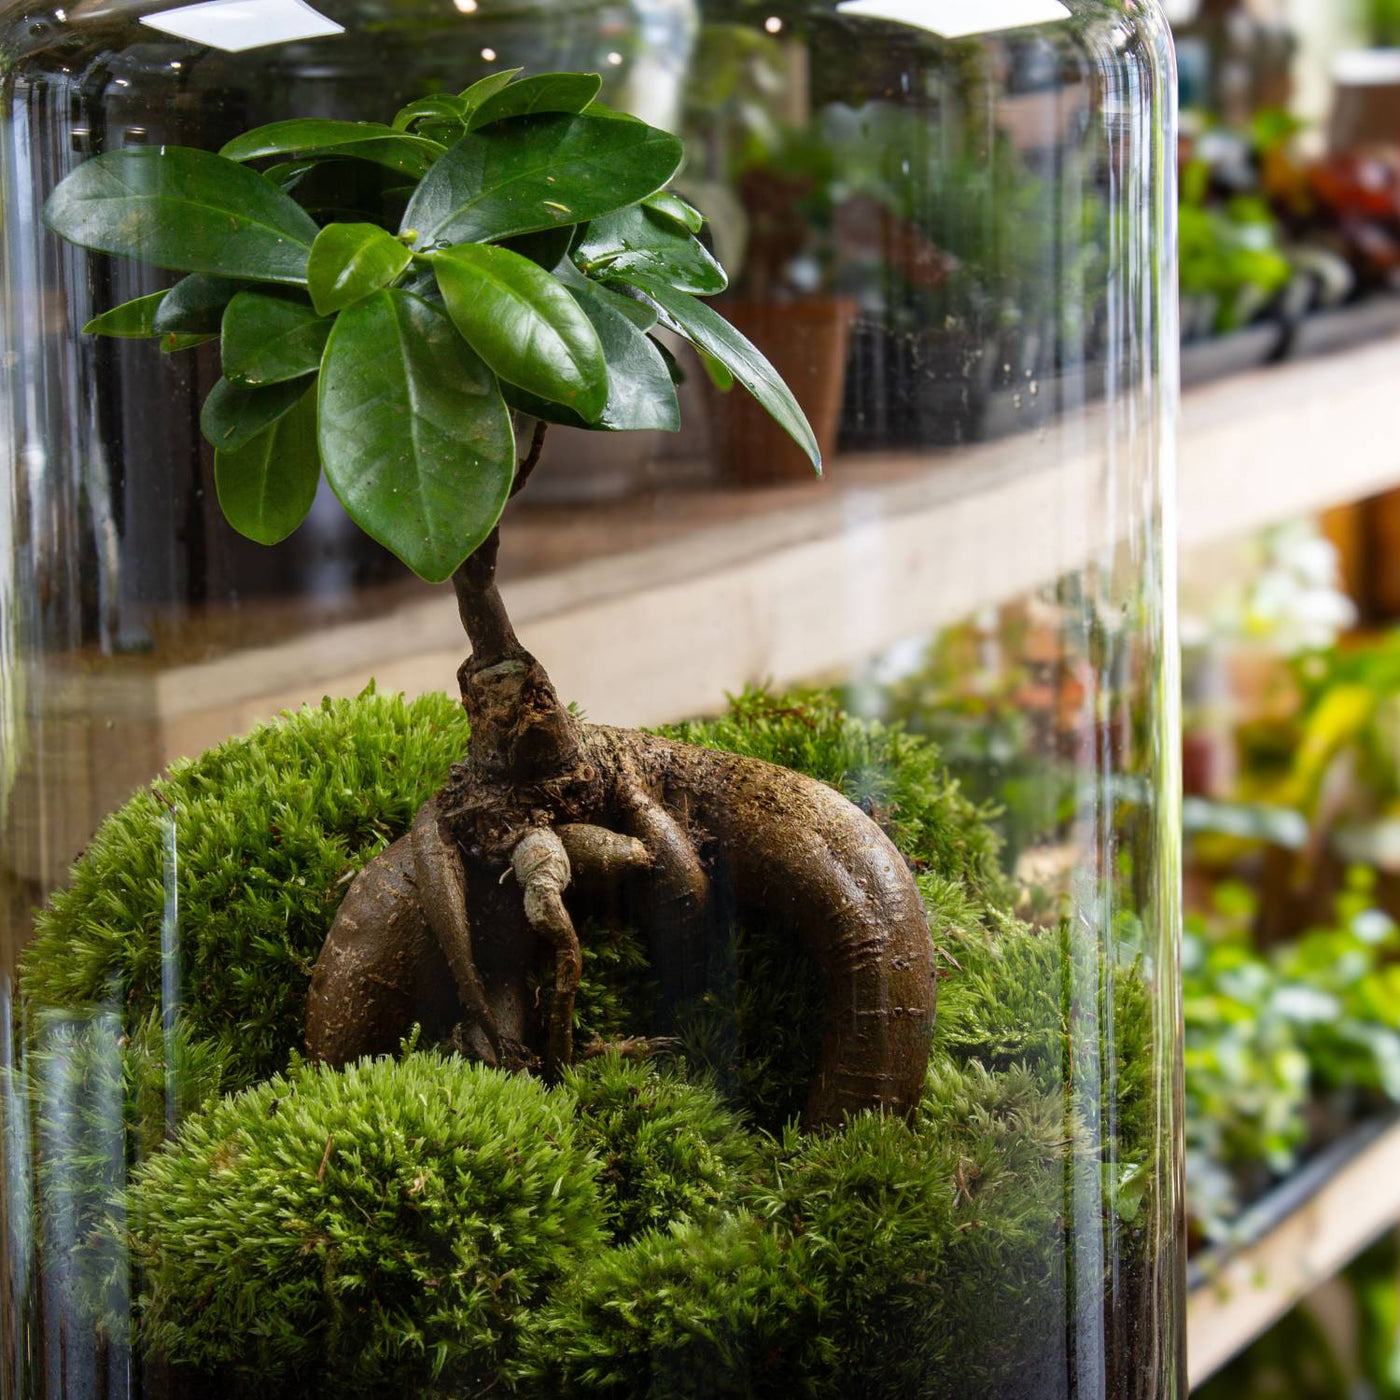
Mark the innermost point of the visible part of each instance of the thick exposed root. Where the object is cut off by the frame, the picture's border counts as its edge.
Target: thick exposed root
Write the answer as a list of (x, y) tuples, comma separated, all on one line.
[(676, 822), (696, 834), (796, 853), (381, 969), (442, 891)]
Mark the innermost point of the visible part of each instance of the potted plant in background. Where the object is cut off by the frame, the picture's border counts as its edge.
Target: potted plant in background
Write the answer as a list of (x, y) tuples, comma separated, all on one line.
[(774, 174)]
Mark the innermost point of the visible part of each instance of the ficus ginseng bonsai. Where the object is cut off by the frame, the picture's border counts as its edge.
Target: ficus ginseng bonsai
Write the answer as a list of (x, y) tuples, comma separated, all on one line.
[(393, 334)]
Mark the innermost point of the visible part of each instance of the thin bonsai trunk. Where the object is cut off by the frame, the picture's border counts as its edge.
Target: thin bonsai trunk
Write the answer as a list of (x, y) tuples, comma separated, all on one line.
[(521, 733), (479, 601)]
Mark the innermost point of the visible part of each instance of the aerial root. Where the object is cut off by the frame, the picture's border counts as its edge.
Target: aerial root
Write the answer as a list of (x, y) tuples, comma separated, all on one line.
[(541, 865), (596, 852)]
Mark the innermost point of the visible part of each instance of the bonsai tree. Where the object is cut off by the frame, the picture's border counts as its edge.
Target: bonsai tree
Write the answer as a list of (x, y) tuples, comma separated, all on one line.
[(394, 304)]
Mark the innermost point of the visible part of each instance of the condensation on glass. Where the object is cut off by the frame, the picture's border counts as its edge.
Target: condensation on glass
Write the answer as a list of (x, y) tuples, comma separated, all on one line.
[(954, 240)]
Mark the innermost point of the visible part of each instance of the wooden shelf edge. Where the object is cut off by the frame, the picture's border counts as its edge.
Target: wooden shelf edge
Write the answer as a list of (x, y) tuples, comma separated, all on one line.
[(776, 586), (1295, 1239)]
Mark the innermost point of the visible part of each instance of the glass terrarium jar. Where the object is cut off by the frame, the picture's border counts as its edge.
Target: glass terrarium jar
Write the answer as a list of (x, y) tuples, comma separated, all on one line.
[(796, 1014)]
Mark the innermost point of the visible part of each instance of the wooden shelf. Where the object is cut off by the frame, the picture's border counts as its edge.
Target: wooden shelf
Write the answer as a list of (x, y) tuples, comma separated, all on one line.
[(1293, 1241), (656, 607), (1289, 440)]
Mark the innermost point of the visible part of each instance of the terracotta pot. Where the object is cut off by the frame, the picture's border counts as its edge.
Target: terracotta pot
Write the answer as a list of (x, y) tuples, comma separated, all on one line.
[(807, 343)]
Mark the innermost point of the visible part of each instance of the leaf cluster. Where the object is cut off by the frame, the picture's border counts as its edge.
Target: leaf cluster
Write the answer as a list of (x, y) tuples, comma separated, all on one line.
[(385, 295)]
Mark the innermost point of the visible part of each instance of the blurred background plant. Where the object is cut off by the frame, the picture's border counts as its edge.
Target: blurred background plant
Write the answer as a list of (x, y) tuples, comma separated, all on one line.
[(1385, 22)]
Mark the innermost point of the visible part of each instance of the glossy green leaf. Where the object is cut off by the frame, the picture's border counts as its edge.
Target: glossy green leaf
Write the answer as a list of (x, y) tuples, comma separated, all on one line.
[(415, 437), (349, 261), (233, 414), (517, 177), (545, 92), (267, 339), (710, 332), (641, 393), (183, 209), (374, 141), (132, 320), (437, 106), (639, 240), (172, 342), (267, 486), (488, 86), (524, 324), (195, 304), (671, 206), (639, 311)]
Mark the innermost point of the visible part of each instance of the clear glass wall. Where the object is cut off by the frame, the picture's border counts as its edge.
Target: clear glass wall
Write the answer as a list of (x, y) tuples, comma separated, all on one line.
[(949, 228)]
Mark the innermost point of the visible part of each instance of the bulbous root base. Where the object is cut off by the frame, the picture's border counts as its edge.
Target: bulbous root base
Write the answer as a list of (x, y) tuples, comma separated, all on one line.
[(444, 927)]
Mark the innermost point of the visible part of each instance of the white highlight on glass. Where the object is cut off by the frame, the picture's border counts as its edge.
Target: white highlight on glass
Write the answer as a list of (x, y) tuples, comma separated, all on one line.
[(489, 55), (614, 59), (236, 25), (467, 7), (774, 25), (957, 19)]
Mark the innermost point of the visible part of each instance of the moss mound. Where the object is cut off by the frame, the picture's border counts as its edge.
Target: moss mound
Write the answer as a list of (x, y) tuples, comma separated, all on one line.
[(691, 1244), (889, 1259), (267, 831), (669, 1150), (388, 1223)]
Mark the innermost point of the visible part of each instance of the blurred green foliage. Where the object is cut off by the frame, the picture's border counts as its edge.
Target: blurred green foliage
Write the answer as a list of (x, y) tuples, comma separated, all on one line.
[(1231, 253), (1385, 22), (1280, 1044)]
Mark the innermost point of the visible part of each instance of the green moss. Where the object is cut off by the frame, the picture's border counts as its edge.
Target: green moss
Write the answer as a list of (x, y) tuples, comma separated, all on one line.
[(921, 1260), (696, 1312), (669, 1150), (267, 830), (687, 1253), (390, 1222)]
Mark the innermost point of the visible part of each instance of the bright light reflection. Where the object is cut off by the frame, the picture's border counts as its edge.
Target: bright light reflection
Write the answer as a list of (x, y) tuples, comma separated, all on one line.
[(236, 25), (489, 55), (774, 25), (956, 19)]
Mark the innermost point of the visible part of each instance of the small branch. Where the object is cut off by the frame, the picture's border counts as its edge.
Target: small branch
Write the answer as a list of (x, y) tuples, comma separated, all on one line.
[(532, 458)]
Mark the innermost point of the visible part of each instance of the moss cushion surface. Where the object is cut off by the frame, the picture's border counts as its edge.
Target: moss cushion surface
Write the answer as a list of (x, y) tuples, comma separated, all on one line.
[(640, 1230)]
